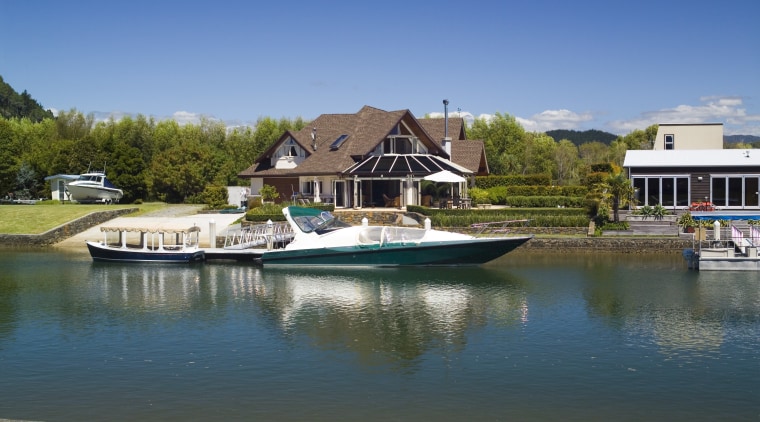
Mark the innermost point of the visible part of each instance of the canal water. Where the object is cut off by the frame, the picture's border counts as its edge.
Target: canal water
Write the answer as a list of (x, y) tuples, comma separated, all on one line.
[(529, 337)]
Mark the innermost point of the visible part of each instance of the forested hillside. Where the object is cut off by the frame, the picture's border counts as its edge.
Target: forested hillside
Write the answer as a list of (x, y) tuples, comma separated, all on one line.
[(13, 104), (582, 137), (742, 139)]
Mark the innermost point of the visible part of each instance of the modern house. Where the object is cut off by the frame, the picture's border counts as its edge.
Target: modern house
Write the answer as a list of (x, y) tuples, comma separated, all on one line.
[(688, 165), (370, 158)]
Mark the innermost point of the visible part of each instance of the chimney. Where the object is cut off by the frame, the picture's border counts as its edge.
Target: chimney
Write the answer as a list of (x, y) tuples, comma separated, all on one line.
[(446, 139)]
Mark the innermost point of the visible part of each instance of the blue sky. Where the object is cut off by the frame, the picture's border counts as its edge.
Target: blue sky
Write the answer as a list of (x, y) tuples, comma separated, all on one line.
[(608, 65)]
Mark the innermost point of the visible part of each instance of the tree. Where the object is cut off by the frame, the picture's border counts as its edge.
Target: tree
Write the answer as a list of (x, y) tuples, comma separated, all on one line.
[(504, 141), (620, 191), (593, 153), (565, 161), (181, 172), (127, 171)]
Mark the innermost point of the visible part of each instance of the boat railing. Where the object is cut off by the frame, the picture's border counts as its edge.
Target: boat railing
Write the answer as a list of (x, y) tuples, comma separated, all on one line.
[(258, 235), (495, 228)]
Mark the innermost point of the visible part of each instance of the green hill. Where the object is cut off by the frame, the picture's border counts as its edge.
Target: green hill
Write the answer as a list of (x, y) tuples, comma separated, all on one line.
[(13, 104), (582, 137)]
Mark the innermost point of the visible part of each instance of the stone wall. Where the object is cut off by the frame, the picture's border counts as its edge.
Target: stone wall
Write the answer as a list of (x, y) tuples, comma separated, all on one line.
[(617, 244), (632, 245), (63, 231)]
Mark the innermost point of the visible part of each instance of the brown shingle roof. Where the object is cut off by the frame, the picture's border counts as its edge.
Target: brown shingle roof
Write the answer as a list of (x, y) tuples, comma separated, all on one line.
[(437, 128), (365, 129)]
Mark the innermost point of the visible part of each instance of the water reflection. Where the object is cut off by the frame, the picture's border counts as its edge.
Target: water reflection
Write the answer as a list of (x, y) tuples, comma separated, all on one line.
[(395, 316), (388, 315)]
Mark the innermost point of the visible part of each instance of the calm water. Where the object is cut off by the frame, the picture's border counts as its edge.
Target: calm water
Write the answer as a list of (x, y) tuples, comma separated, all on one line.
[(534, 337)]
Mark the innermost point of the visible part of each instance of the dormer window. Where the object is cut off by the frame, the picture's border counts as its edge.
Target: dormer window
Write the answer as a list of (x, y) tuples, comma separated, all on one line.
[(670, 141), (290, 148), (402, 145)]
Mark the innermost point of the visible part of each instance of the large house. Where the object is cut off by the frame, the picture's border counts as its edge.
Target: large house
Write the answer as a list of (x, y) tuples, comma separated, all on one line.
[(688, 165), (370, 158)]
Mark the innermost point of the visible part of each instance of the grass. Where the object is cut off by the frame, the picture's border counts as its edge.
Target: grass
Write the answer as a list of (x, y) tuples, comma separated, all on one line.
[(39, 218)]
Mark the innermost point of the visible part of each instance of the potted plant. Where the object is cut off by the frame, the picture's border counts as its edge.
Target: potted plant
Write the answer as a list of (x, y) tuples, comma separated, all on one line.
[(687, 222)]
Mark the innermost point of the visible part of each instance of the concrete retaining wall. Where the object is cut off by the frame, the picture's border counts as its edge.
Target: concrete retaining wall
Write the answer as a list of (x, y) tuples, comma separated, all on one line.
[(63, 231)]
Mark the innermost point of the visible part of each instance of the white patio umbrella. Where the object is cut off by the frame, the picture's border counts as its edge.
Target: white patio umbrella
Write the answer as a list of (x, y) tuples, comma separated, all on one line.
[(445, 176), (316, 191)]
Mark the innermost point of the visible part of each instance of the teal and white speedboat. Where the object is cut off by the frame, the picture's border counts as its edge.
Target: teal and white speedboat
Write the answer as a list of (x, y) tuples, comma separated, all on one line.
[(322, 240)]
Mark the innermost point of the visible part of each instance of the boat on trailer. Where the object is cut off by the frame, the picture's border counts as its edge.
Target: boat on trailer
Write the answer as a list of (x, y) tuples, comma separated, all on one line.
[(322, 240), (93, 187), (732, 245), (153, 245)]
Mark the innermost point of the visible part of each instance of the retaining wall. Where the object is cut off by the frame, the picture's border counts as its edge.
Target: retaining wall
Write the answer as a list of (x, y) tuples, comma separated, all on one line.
[(63, 231)]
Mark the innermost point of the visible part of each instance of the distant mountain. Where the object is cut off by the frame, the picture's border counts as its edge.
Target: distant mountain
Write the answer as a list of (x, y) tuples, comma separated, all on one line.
[(13, 104), (735, 139), (578, 137)]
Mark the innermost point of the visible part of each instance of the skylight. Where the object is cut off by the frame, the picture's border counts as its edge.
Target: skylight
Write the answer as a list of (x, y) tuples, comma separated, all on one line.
[(338, 142)]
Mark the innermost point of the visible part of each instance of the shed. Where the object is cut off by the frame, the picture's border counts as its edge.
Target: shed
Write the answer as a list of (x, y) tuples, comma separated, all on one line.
[(58, 186)]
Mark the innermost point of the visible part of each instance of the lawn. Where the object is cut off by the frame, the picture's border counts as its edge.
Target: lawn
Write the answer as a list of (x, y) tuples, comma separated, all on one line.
[(35, 219)]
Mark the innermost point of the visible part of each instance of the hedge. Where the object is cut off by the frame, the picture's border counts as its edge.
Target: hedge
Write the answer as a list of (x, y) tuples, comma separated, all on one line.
[(486, 182)]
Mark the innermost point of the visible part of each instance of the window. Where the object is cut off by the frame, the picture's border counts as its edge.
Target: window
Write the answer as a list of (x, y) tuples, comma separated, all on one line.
[(399, 145), (338, 142), (670, 141), (665, 190)]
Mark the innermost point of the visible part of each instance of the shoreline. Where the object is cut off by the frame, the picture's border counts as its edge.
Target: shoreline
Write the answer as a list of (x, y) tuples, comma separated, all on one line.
[(68, 236)]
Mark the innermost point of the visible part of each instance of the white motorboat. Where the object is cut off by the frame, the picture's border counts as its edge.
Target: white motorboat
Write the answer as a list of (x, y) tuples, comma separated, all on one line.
[(93, 187), (322, 240)]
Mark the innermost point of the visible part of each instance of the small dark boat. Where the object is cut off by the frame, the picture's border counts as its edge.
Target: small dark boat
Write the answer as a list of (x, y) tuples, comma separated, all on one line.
[(151, 246)]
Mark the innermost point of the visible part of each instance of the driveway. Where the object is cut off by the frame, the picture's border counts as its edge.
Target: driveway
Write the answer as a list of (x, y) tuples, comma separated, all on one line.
[(173, 217)]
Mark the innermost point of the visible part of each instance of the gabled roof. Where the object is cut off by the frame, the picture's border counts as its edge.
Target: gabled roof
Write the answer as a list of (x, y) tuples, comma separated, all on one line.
[(365, 129), (437, 128), (471, 154)]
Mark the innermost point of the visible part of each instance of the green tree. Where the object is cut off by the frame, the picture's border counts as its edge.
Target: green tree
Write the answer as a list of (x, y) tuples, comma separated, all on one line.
[(565, 162), (504, 140), (620, 192), (267, 132), (181, 172), (593, 153), (538, 155), (73, 124), (127, 171)]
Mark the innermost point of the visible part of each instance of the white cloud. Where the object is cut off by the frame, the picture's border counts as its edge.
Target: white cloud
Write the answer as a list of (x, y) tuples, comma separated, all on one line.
[(554, 119), (541, 122), (727, 110), (185, 117)]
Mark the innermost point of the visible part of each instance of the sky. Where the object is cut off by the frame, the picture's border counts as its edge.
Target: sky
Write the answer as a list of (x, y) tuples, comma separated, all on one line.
[(608, 65)]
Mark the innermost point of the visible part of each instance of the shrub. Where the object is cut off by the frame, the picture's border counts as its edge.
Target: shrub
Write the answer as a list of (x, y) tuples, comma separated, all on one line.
[(214, 196), (268, 193), (479, 196)]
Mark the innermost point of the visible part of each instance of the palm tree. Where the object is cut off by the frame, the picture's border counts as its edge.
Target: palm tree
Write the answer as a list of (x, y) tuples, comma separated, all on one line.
[(620, 192)]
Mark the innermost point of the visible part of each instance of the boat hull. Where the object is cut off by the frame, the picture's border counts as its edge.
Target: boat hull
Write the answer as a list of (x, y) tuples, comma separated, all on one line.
[(442, 253), (94, 193), (99, 252)]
